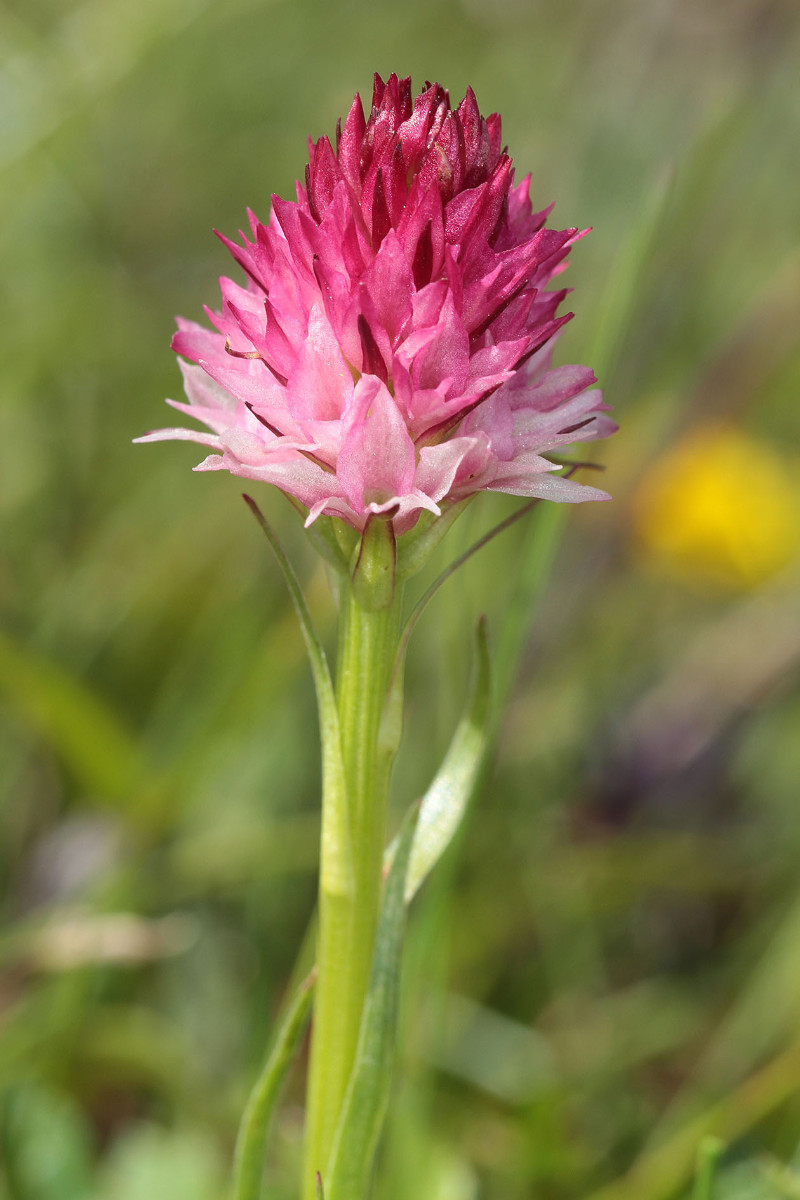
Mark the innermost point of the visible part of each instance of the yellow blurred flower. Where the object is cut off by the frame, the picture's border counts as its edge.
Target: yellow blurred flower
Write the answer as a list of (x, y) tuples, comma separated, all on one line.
[(721, 504)]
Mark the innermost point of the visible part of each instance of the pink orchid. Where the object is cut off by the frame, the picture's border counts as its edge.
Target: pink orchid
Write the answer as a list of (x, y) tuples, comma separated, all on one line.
[(390, 351)]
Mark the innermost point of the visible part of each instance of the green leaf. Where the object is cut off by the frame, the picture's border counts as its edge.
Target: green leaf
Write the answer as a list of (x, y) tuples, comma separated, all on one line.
[(445, 802), (336, 866), (367, 1098), (254, 1128)]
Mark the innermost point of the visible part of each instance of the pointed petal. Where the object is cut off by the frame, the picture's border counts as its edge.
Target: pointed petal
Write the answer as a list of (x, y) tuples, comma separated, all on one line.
[(180, 435), (546, 487), (202, 391)]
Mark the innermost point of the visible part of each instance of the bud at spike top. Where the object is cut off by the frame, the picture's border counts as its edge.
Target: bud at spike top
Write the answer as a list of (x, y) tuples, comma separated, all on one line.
[(390, 349)]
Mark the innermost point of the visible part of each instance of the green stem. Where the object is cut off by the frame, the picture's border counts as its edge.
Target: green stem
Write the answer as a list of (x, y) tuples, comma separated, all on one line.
[(348, 919)]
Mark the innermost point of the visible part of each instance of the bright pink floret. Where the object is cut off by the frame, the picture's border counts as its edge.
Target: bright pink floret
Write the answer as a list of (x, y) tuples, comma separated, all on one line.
[(390, 350)]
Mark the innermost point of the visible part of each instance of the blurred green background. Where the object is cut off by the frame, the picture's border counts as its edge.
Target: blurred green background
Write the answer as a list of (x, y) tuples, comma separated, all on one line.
[(607, 967)]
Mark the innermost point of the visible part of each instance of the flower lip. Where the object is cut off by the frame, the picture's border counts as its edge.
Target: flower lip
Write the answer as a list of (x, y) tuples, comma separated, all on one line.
[(400, 304)]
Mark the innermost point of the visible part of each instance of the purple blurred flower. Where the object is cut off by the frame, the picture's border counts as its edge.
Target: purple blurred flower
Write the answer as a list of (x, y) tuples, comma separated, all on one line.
[(391, 349)]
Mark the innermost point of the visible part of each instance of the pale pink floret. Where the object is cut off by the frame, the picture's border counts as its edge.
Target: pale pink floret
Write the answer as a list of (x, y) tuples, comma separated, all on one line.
[(390, 351)]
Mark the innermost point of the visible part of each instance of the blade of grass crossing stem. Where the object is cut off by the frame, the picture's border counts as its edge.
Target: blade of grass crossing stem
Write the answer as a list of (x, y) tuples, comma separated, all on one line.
[(367, 1098), (252, 1137), (444, 804), (336, 861)]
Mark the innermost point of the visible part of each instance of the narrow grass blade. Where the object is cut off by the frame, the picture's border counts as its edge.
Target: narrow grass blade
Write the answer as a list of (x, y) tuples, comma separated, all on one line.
[(708, 1157), (445, 802), (253, 1131), (336, 857), (538, 557), (367, 1096), (659, 1173), (536, 562), (625, 282)]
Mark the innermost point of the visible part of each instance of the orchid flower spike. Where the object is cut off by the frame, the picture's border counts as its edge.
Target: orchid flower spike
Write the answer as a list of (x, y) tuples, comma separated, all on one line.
[(390, 350)]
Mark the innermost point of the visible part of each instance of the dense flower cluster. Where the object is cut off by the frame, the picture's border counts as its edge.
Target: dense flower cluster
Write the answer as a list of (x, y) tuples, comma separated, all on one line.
[(391, 350)]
